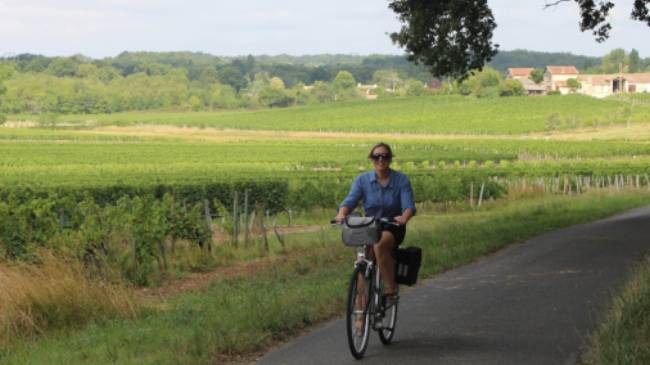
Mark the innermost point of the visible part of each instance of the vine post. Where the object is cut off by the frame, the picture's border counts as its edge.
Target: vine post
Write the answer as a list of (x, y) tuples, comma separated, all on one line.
[(246, 217)]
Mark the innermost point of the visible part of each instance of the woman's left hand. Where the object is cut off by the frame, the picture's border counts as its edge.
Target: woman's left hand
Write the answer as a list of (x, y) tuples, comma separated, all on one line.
[(400, 219)]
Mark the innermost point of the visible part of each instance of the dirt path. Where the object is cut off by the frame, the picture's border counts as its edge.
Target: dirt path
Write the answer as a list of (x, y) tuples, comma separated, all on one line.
[(199, 280)]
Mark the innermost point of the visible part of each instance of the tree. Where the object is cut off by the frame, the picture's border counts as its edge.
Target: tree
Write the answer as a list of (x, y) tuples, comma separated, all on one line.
[(452, 37), (634, 61), (344, 85), (413, 87), (511, 87), (62, 66), (273, 94), (613, 60), (322, 92), (387, 79), (344, 81), (537, 75), (232, 76), (573, 84), (482, 83)]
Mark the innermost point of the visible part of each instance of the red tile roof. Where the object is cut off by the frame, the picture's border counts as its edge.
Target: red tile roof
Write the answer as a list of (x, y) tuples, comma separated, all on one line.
[(562, 70), (634, 78), (520, 71)]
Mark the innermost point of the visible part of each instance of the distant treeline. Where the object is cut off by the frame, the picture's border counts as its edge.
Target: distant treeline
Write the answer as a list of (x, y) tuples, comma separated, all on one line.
[(37, 84)]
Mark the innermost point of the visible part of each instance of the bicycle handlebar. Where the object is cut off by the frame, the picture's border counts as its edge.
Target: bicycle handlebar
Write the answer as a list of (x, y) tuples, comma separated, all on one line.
[(386, 221)]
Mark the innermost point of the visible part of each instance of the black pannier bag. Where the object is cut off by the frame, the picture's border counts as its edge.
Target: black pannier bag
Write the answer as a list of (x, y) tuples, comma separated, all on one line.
[(407, 265)]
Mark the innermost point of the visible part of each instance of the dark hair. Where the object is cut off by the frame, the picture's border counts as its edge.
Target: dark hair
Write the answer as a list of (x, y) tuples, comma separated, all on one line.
[(381, 144)]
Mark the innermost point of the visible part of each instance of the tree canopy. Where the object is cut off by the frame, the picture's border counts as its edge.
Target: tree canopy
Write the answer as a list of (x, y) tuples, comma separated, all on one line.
[(452, 37)]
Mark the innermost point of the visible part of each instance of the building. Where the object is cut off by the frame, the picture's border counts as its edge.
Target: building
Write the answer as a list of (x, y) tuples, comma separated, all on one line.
[(368, 91), (601, 86), (532, 88), (556, 77), (519, 73)]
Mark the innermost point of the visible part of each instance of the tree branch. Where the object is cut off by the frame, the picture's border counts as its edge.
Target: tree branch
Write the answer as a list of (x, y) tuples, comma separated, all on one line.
[(555, 3)]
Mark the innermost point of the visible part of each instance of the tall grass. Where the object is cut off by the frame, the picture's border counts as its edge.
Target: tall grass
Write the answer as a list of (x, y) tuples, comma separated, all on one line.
[(55, 294), (624, 336)]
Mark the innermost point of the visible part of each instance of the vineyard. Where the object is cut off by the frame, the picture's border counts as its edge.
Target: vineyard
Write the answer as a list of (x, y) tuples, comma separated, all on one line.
[(434, 114), (142, 200), (120, 191)]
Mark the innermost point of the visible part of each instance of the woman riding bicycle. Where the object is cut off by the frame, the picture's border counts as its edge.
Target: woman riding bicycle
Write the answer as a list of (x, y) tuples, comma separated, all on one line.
[(385, 194)]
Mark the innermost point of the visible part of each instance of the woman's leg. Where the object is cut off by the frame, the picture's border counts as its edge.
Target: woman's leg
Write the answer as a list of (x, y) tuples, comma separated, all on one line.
[(384, 255)]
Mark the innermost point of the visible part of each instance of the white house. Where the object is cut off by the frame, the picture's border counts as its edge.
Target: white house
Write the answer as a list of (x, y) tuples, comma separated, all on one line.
[(555, 78), (601, 86)]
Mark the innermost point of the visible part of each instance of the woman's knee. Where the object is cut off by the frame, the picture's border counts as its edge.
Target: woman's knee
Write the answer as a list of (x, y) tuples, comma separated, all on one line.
[(386, 244)]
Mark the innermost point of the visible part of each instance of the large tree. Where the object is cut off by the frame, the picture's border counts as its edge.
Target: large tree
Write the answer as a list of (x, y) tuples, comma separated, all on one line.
[(452, 37)]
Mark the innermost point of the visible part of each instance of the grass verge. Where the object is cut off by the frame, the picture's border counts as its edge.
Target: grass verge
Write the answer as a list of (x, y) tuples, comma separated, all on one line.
[(55, 294), (624, 336), (249, 312)]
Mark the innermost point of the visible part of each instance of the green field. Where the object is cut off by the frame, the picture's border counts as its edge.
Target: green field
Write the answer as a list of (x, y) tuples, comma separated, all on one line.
[(115, 193), (435, 114)]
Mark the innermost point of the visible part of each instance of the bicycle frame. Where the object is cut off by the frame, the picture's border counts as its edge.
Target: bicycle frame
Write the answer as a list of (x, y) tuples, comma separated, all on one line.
[(371, 272)]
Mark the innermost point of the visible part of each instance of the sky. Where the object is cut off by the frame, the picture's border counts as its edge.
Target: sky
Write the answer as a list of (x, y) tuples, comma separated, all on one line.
[(102, 28)]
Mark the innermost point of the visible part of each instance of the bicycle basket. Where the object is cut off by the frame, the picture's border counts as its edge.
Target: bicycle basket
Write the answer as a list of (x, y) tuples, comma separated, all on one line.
[(360, 231), (407, 265)]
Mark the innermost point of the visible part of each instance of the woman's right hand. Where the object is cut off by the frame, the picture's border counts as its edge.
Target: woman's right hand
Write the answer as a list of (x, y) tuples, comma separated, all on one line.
[(342, 213)]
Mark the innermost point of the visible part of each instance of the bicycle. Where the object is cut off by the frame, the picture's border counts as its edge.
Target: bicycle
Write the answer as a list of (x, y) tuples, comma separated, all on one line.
[(366, 303)]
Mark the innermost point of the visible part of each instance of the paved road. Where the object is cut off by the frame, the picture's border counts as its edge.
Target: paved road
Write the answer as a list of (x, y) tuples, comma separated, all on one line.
[(531, 303)]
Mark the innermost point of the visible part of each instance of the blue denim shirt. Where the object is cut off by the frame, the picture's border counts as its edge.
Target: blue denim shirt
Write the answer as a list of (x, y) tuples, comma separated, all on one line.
[(378, 201)]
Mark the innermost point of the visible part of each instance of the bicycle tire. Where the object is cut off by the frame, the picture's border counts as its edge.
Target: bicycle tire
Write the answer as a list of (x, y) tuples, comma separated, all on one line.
[(389, 319), (358, 344)]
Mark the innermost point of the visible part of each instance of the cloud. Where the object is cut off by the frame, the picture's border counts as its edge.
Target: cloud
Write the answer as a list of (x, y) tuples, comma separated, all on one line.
[(59, 20)]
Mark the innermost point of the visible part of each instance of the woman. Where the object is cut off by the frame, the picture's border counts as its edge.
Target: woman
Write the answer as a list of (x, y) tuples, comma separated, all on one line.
[(385, 194)]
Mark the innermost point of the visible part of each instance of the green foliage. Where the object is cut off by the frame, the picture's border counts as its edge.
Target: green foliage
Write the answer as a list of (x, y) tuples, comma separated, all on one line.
[(433, 114), (124, 233), (634, 61), (232, 76), (344, 86), (387, 79), (273, 94), (614, 60), (482, 83), (413, 88), (48, 120), (573, 84), (511, 87), (622, 336), (537, 75), (63, 66), (243, 310), (450, 37)]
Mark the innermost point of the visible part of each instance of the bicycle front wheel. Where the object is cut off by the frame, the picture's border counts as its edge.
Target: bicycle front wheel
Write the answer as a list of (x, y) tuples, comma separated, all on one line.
[(358, 316)]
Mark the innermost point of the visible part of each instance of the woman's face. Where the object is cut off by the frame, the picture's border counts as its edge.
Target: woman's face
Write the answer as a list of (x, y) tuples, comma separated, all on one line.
[(380, 158)]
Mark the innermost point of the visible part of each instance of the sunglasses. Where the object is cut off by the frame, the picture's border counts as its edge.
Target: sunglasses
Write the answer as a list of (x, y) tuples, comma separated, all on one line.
[(379, 156)]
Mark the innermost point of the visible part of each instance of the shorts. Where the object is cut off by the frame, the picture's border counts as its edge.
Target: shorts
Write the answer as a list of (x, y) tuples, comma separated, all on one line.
[(398, 233)]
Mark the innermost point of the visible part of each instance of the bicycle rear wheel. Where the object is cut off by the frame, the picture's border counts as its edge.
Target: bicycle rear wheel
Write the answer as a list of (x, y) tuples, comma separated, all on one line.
[(386, 327), (358, 318)]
